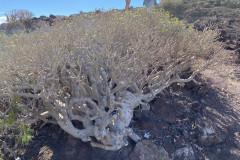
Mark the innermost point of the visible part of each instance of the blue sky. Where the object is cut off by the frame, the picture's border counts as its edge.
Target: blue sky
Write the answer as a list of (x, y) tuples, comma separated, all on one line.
[(62, 7)]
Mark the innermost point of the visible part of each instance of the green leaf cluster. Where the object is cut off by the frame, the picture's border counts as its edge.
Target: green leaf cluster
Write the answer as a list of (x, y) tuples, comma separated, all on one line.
[(19, 131)]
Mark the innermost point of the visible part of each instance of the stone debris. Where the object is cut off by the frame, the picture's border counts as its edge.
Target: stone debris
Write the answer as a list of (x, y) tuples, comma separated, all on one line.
[(207, 136), (185, 153), (147, 135), (237, 139)]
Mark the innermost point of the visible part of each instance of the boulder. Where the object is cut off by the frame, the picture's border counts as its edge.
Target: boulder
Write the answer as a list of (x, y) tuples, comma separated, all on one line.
[(208, 136), (162, 124), (52, 16), (146, 150), (165, 110), (43, 18), (185, 153)]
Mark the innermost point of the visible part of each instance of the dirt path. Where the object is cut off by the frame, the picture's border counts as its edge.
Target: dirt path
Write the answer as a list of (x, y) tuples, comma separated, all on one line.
[(225, 78), (225, 81)]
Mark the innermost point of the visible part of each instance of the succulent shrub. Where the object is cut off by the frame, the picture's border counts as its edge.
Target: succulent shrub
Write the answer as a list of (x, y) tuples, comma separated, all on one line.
[(97, 68)]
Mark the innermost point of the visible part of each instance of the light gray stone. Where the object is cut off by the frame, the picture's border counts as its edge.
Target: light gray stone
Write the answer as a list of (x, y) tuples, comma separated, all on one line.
[(185, 153), (208, 136), (237, 139)]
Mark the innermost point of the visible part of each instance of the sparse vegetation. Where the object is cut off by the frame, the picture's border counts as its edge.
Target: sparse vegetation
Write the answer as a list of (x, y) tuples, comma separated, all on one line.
[(18, 15), (98, 68), (18, 20), (15, 129), (177, 7), (1, 155)]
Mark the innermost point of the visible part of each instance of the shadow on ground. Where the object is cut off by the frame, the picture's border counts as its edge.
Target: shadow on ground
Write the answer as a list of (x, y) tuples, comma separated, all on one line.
[(173, 122)]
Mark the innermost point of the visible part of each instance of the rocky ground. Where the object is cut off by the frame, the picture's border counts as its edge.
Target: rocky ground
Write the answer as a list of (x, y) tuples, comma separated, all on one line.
[(198, 121)]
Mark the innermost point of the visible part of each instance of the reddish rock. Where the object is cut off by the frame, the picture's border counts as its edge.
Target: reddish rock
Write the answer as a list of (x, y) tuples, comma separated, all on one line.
[(146, 125), (165, 111), (162, 124), (146, 150)]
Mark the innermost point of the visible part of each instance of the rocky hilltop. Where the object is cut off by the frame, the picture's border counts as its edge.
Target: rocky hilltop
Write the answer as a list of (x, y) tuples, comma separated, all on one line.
[(31, 24), (221, 14)]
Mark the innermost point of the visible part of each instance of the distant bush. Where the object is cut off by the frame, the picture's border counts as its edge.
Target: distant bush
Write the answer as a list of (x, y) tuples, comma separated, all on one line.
[(15, 15), (98, 68), (176, 7)]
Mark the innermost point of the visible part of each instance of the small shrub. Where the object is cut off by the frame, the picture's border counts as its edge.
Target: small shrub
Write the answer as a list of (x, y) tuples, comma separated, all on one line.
[(14, 130), (25, 135), (18, 15)]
